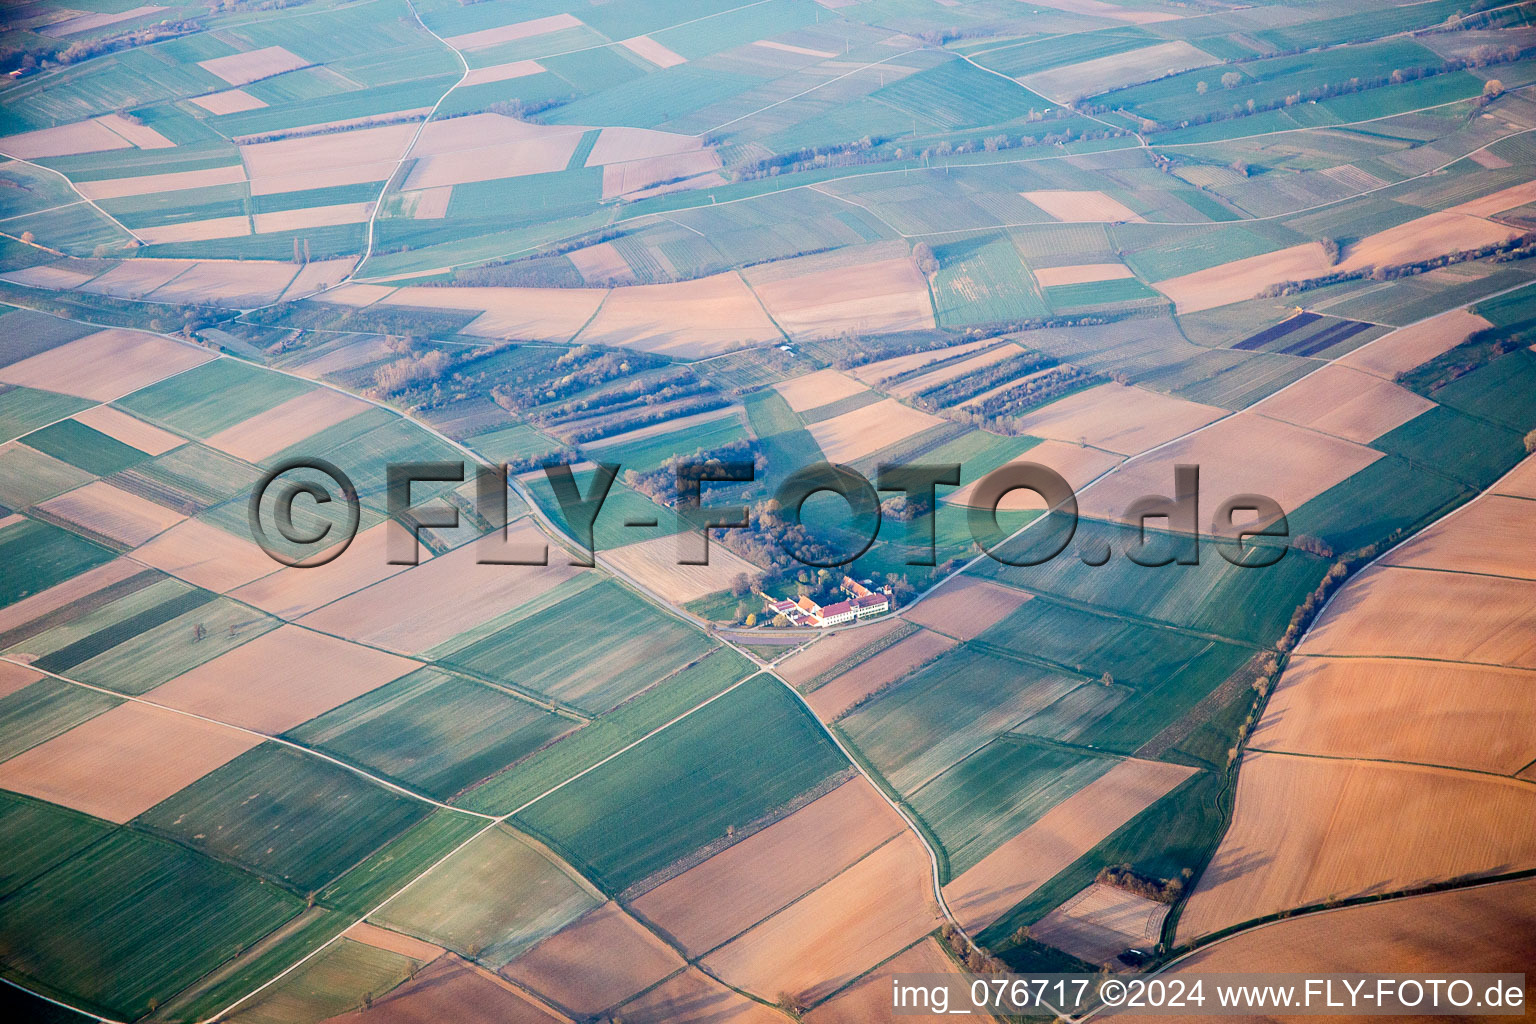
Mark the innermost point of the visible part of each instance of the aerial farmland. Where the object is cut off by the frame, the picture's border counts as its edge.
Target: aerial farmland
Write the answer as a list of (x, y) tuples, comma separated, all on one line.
[(565, 511)]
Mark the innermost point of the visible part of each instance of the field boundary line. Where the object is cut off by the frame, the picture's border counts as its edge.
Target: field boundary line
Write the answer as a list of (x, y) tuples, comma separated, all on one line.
[(73, 188), (571, 341), (777, 326), (1060, 103), (1103, 611), (806, 92), (378, 203), (631, 746), (933, 857), (1429, 765), (265, 737), (58, 1002), (50, 209), (1462, 572), (1412, 657), (1314, 911), (816, 187), (362, 917), (861, 858)]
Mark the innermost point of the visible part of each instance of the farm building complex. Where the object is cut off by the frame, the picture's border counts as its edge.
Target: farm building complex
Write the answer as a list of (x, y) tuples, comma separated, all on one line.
[(860, 603)]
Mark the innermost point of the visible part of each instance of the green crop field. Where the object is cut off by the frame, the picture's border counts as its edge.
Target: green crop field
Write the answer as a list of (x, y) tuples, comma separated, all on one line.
[(999, 791), (1370, 24), (233, 516), (28, 476), (409, 854), (44, 709), (490, 900), (75, 229), (186, 638), (537, 652), (330, 984), (274, 810), (26, 189), (982, 280), (1037, 55), (1213, 597), (656, 99), (190, 479), (109, 619), (1499, 391), (948, 710), (133, 636), (1098, 293), (93, 929), (395, 441), (179, 207), (1154, 676), (622, 506), (433, 731), (786, 444), (1217, 378), (1390, 494), (1263, 81), (23, 410), (1473, 451), (77, 444), (36, 836), (212, 397), (1190, 250), (508, 444), (957, 94), (1513, 309), (733, 27), (979, 453), (650, 452), (38, 555), (609, 733), (721, 768), (132, 163)]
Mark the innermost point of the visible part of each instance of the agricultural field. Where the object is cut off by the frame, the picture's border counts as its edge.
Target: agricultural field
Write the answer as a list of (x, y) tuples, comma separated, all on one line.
[(374, 375), (1399, 935), (597, 820), (1459, 765)]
